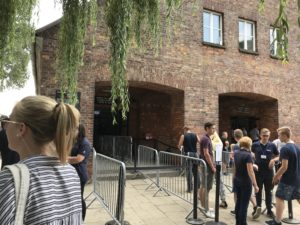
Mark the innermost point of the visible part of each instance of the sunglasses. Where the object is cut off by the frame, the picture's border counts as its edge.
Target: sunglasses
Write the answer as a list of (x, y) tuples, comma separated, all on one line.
[(265, 135), (8, 120)]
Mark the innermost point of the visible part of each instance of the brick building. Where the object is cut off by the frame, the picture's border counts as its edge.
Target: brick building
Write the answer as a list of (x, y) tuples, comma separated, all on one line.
[(218, 68)]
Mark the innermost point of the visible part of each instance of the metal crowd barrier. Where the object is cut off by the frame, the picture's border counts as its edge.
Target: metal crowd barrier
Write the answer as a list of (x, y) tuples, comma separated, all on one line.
[(118, 147), (148, 157), (109, 176), (174, 181)]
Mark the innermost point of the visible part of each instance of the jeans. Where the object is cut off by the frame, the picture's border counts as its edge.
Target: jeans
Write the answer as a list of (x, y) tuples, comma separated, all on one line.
[(243, 194), (189, 171), (264, 179), (82, 184)]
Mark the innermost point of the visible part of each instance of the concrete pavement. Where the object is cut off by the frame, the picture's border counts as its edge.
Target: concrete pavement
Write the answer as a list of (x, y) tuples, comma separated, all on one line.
[(141, 208)]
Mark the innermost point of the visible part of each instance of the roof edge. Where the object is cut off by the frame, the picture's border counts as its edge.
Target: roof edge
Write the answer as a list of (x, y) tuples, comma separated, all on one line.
[(48, 26)]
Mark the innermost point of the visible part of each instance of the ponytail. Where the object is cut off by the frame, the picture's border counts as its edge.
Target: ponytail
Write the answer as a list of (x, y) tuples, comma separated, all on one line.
[(67, 121)]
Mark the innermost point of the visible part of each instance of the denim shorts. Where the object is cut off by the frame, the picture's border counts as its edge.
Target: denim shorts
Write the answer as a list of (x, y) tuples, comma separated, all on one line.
[(287, 192)]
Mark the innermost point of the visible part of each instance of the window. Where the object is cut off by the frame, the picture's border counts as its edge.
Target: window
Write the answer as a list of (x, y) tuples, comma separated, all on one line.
[(212, 27), (246, 35), (274, 45)]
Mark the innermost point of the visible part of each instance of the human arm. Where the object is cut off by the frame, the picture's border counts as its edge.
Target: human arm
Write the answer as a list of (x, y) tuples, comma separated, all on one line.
[(273, 161), (252, 176), (76, 159), (180, 143), (80, 153), (208, 159), (281, 171), (275, 156)]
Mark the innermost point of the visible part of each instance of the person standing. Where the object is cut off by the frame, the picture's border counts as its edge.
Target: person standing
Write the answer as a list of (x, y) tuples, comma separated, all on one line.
[(288, 175), (216, 140), (244, 178), (226, 152), (188, 140), (266, 154), (79, 159), (42, 131), (206, 153), (254, 133), (8, 156)]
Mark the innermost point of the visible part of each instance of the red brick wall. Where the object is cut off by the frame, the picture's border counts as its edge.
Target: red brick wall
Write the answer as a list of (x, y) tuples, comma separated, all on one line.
[(200, 72)]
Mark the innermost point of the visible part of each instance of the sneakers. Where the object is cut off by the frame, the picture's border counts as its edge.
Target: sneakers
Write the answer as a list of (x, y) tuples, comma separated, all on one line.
[(257, 213), (270, 214), (232, 212), (272, 222), (210, 214), (224, 204)]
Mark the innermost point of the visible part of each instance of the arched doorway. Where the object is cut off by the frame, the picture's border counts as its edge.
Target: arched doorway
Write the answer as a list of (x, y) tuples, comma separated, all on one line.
[(245, 110), (156, 112)]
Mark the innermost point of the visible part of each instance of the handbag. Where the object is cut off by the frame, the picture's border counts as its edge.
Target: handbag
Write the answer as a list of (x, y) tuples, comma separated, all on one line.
[(21, 177)]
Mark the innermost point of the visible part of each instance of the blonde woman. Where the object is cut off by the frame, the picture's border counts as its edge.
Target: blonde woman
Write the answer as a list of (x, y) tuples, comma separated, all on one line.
[(42, 131), (244, 178)]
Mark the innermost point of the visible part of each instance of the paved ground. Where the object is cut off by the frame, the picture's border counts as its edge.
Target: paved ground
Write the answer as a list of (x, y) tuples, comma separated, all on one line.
[(141, 208)]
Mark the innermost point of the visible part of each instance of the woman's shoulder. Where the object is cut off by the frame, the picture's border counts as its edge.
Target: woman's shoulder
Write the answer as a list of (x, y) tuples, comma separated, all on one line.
[(5, 178)]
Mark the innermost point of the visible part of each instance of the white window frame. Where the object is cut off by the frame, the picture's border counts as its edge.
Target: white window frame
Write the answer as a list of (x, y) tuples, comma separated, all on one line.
[(211, 28), (245, 34), (273, 40)]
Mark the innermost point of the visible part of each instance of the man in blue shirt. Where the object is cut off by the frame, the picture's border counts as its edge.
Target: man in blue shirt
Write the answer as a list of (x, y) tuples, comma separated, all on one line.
[(188, 140), (265, 156), (288, 175)]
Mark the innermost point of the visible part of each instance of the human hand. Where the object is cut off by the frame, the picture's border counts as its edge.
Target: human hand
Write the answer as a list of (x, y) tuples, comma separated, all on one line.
[(271, 164), (256, 188), (213, 169)]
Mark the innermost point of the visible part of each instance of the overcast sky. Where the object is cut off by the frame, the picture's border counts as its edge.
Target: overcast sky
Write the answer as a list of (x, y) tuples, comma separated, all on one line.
[(48, 12)]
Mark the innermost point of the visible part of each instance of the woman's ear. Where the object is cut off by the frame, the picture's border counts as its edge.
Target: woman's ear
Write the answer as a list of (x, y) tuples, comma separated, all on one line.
[(22, 130)]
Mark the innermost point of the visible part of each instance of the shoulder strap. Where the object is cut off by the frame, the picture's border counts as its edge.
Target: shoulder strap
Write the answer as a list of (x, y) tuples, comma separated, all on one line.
[(21, 176)]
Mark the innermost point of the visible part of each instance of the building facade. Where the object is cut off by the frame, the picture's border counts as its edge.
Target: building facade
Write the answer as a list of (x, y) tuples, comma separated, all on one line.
[(220, 66)]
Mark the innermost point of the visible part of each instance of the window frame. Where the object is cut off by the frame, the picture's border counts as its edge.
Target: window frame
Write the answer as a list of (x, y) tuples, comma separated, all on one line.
[(253, 23), (211, 28), (273, 30)]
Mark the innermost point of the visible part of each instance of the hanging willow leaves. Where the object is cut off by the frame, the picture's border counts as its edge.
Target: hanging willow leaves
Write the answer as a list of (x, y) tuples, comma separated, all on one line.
[(118, 21), (72, 33), (282, 28), (16, 36)]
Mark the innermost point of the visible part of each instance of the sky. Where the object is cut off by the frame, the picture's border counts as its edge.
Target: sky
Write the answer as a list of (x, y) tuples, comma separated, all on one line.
[(49, 11)]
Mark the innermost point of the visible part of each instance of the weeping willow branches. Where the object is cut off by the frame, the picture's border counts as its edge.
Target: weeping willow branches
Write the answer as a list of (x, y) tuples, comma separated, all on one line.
[(77, 14), (16, 36), (282, 26), (127, 20)]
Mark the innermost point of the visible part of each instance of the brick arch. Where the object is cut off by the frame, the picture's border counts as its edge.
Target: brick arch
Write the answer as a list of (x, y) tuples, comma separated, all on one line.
[(247, 87)]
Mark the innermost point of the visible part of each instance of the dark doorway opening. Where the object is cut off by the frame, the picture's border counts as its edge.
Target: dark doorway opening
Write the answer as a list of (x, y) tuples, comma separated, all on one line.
[(245, 110), (246, 123)]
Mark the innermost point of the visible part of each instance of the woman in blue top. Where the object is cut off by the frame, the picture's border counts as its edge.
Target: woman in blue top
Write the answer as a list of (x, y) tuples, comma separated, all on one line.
[(244, 178), (79, 158)]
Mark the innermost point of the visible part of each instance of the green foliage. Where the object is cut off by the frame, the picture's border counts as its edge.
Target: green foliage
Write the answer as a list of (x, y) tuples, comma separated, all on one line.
[(71, 44), (124, 18), (282, 26), (16, 37)]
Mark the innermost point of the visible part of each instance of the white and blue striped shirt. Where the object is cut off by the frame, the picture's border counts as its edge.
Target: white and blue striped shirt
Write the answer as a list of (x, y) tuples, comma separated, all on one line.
[(54, 194)]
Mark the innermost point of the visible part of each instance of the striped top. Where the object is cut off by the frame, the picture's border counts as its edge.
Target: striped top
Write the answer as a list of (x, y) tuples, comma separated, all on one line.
[(54, 194)]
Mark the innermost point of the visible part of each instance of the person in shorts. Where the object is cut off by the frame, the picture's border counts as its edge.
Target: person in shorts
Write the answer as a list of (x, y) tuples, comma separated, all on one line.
[(206, 153), (288, 175)]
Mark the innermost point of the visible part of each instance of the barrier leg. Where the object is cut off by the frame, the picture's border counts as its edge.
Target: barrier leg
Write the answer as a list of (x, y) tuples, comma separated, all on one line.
[(290, 220), (195, 220), (217, 222)]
